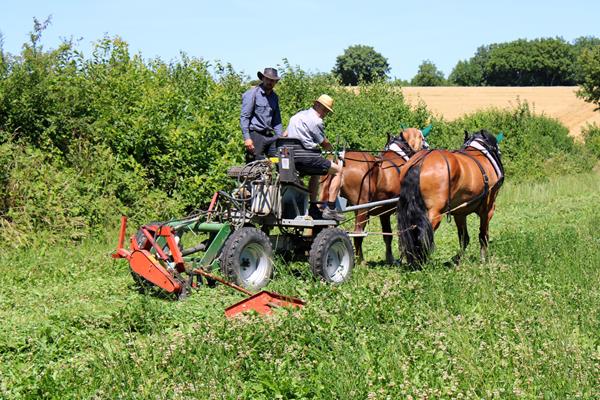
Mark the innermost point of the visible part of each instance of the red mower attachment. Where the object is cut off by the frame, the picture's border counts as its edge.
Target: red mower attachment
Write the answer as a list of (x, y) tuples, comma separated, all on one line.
[(263, 303), (156, 258)]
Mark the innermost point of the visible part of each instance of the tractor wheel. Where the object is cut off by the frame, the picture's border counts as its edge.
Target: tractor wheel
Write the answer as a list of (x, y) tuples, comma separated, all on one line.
[(246, 258), (331, 256)]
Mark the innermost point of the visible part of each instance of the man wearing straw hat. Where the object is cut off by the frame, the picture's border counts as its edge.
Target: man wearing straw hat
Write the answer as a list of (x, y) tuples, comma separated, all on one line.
[(260, 118), (307, 126)]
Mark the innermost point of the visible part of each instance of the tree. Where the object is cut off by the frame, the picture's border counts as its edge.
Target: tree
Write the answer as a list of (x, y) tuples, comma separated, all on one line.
[(360, 63), (466, 73), (579, 45), (471, 72), (428, 75), (590, 73), (539, 62)]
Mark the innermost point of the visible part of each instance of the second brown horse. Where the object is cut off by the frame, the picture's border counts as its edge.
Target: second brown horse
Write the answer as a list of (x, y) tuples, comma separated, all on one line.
[(367, 178), (441, 182)]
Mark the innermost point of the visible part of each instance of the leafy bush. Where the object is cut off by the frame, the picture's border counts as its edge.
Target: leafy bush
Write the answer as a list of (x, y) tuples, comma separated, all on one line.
[(41, 195), (591, 135), (536, 146)]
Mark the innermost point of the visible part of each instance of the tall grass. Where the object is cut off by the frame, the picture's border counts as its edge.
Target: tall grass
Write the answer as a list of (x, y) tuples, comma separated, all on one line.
[(525, 324)]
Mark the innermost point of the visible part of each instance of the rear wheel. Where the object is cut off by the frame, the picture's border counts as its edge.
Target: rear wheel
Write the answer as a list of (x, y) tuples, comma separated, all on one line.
[(246, 258), (331, 256)]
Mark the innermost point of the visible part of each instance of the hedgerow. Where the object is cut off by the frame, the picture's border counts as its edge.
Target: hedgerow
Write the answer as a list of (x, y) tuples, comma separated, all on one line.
[(84, 139)]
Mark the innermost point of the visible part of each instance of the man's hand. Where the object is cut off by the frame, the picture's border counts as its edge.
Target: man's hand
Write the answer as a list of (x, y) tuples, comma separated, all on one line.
[(249, 145), (326, 145)]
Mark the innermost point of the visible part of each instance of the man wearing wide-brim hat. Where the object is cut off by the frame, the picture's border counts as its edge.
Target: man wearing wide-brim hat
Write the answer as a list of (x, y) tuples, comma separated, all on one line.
[(307, 126), (260, 118)]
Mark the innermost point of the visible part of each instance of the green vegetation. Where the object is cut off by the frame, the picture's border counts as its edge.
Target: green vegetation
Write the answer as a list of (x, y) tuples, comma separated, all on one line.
[(590, 71), (538, 62), (591, 135), (360, 64), (428, 75), (85, 139), (523, 325)]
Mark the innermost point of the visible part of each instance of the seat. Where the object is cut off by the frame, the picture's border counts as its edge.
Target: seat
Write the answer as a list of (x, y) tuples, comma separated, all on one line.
[(297, 146)]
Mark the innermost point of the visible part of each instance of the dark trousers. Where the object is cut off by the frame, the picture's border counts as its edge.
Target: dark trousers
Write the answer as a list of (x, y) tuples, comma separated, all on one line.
[(263, 145)]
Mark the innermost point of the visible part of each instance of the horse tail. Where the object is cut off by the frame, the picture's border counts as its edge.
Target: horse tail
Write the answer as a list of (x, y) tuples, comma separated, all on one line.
[(415, 229)]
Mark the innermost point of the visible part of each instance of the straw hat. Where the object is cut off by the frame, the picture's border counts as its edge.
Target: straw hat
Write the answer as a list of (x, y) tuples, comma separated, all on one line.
[(326, 102)]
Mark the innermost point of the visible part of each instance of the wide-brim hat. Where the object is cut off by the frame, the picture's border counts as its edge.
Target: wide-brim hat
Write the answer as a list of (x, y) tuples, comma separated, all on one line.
[(326, 101), (270, 73)]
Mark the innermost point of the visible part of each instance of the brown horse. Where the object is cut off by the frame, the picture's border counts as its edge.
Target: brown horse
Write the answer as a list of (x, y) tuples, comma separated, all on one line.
[(439, 182), (367, 178)]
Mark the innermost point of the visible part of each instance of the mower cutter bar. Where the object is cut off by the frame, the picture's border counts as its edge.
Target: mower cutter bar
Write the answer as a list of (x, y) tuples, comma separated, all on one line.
[(150, 267)]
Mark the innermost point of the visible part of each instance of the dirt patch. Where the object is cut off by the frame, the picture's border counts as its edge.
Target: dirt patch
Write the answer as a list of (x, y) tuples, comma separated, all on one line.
[(559, 102)]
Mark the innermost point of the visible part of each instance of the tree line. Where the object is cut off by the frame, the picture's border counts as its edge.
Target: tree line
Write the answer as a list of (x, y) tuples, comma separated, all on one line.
[(538, 62)]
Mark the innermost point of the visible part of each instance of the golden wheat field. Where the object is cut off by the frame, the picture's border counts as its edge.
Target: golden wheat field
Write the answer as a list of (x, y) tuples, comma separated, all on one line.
[(559, 102)]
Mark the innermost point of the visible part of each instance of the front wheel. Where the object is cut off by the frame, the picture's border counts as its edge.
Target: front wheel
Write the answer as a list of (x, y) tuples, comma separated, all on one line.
[(331, 256), (246, 258)]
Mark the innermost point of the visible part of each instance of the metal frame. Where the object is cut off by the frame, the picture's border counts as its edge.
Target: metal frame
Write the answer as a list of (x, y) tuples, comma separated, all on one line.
[(268, 195)]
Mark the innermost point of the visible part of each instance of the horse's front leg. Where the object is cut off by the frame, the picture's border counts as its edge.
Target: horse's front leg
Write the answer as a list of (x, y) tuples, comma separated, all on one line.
[(386, 227), (484, 224), (463, 236)]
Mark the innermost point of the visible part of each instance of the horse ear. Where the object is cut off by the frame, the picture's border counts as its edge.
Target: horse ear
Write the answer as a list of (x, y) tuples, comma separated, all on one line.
[(466, 135), (425, 131), (499, 137), (389, 137)]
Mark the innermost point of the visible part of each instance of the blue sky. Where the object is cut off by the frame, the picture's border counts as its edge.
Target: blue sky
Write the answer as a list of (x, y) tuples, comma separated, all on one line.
[(310, 33)]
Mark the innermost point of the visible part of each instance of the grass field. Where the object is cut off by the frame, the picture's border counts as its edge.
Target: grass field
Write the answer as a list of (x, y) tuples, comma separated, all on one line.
[(525, 324)]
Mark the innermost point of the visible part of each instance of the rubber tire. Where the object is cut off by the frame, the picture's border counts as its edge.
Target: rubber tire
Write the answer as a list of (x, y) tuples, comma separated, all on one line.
[(237, 242), (320, 249)]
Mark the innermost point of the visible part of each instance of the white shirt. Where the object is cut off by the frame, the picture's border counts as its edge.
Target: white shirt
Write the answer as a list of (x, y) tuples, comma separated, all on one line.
[(307, 126)]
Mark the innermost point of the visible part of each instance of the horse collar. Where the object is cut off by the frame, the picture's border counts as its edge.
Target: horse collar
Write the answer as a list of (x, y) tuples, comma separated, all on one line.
[(396, 148), (496, 163)]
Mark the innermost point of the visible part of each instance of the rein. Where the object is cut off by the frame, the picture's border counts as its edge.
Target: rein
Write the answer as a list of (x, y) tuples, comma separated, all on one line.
[(485, 177)]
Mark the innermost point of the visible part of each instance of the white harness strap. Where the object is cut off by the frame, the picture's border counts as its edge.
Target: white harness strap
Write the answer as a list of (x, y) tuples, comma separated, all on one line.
[(475, 144), (395, 148), (425, 144)]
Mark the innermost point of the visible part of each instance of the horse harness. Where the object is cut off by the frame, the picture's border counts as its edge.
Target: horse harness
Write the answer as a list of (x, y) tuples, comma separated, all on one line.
[(482, 148), (398, 146)]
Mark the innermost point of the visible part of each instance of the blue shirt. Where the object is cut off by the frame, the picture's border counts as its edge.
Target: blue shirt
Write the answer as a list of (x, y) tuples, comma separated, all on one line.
[(260, 112), (307, 126)]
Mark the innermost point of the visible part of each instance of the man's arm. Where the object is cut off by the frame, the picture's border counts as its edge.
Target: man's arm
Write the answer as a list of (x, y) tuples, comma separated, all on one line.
[(246, 114), (277, 126)]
